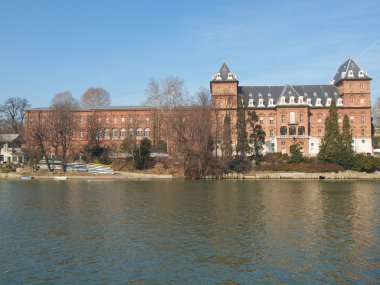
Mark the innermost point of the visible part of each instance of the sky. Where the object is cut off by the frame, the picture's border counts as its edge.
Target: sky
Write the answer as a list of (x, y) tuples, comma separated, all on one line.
[(50, 46)]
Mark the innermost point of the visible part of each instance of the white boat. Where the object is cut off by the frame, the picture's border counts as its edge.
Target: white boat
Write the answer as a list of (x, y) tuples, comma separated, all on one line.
[(61, 177), (26, 177)]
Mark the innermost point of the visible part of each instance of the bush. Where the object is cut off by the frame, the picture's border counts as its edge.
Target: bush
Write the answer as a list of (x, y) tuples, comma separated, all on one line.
[(366, 163), (301, 167), (240, 165), (6, 168), (272, 157)]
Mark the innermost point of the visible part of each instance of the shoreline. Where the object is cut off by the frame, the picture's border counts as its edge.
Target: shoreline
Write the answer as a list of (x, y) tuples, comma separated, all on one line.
[(345, 175)]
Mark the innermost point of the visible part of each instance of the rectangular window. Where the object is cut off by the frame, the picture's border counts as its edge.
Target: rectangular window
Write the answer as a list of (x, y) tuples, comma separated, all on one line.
[(301, 118), (283, 118), (271, 120), (351, 119), (339, 119), (107, 120), (352, 132), (363, 141), (362, 132), (282, 143), (319, 119), (123, 120), (130, 120), (362, 119), (362, 101), (361, 85), (271, 133), (147, 120), (139, 120), (352, 99), (351, 85), (115, 120), (261, 120)]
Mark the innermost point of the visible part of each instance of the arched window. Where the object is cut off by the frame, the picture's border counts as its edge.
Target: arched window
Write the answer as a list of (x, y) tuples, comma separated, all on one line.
[(283, 100), (106, 133), (114, 134), (138, 133), (319, 102), (147, 133), (292, 131), (328, 102), (339, 102), (301, 131), (122, 133), (283, 131), (131, 132)]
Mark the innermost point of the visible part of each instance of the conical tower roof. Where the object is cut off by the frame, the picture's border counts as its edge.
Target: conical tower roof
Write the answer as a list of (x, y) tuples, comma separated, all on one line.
[(224, 74)]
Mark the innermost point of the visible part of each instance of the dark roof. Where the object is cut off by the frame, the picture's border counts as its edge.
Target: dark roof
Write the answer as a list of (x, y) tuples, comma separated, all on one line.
[(266, 93), (224, 74), (349, 70), (8, 138)]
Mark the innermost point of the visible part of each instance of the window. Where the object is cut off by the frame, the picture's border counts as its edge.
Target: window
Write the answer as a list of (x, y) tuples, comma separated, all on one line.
[(147, 133), (328, 102), (81, 134), (283, 100), (81, 120), (352, 132), (351, 119), (106, 133), (363, 141), (107, 120), (99, 120), (131, 132), (301, 118), (292, 118), (361, 85), (270, 120), (122, 133), (339, 102), (123, 120), (115, 120), (319, 102), (319, 131), (292, 131), (139, 120), (352, 99), (114, 134), (250, 103), (283, 143), (261, 120), (130, 120), (271, 133), (351, 86), (339, 119), (283, 131), (218, 88), (362, 119), (312, 144), (308, 101), (271, 102), (300, 100), (261, 103), (301, 131), (319, 118), (362, 132), (147, 120), (283, 118), (138, 133), (362, 101), (291, 99)]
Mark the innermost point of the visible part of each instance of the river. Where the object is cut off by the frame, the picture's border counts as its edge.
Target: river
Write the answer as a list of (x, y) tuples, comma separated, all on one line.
[(189, 232)]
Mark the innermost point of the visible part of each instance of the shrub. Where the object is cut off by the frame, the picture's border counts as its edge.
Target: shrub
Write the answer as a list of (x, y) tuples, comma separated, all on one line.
[(240, 165), (366, 163), (272, 157)]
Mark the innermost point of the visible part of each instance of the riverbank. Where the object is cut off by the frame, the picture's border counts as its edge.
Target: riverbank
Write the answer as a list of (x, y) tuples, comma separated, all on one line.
[(257, 175)]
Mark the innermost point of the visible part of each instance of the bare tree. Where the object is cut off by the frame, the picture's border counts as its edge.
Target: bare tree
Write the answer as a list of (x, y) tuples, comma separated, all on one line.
[(13, 111), (166, 95), (40, 136), (63, 123), (95, 98)]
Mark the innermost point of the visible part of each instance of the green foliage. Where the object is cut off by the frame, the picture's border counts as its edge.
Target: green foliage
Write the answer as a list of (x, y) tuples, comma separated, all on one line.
[(227, 137), (257, 136), (96, 152), (295, 152), (336, 146), (142, 159), (242, 146), (6, 168), (366, 163)]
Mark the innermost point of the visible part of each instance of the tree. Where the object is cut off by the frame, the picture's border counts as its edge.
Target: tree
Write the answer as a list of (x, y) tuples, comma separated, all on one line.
[(95, 98), (13, 111), (242, 146), (332, 141), (63, 123), (257, 135), (40, 136), (142, 157), (346, 135), (128, 146), (296, 152), (227, 137), (166, 95)]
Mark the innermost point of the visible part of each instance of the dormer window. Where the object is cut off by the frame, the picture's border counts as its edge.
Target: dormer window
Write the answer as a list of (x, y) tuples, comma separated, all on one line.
[(361, 73), (261, 103), (350, 73), (319, 102), (230, 76), (250, 95), (308, 101), (250, 102), (300, 100), (282, 100), (328, 102), (271, 102), (218, 77), (343, 74), (339, 102), (291, 100)]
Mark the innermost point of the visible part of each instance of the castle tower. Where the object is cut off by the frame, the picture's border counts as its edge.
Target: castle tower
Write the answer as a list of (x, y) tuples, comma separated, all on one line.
[(353, 84), (224, 88)]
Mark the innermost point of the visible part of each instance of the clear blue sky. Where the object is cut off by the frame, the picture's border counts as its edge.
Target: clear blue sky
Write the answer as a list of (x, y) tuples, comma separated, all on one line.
[(51, 46)]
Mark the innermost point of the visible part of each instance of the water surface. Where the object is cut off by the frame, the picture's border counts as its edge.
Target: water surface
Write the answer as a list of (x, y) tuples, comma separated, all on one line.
[(189, 232)]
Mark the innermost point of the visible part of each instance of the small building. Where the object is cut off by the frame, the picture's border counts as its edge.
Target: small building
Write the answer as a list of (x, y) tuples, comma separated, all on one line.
[(10, 151)]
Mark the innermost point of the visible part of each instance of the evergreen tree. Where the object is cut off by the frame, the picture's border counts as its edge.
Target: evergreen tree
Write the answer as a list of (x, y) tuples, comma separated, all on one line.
[(346, 135), (257, 136), (242, 146), (331, 143), (142, 158), (227, 138), (296, 152)]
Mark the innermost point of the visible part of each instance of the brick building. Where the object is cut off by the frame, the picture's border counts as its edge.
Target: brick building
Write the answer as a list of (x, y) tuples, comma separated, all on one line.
[(285, 112), (289, 111)]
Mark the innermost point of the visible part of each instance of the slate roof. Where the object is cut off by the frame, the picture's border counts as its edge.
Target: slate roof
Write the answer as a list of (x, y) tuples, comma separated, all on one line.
[(224, 74), (313, 92), (7, 138), (349, 70)]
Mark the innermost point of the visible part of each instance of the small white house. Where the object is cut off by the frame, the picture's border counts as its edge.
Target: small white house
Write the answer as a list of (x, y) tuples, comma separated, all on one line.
[(11, 148)]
